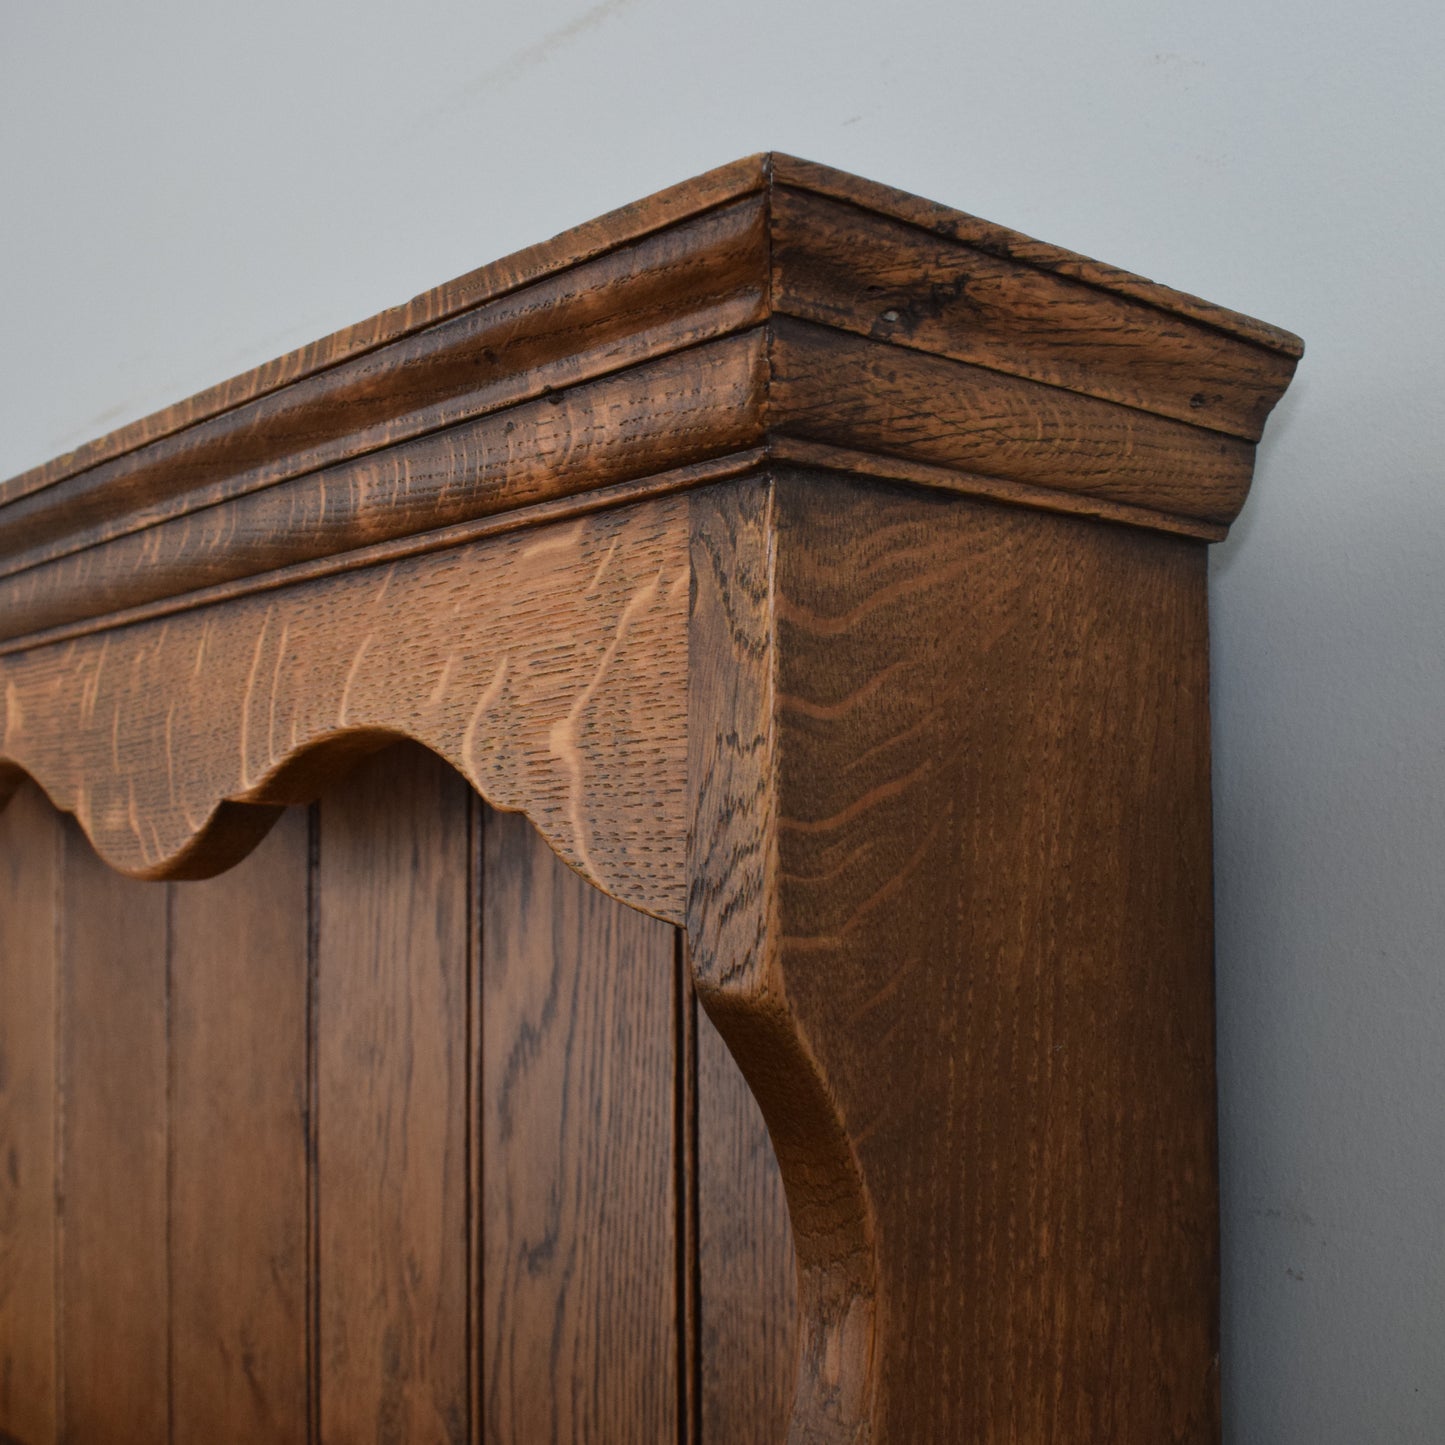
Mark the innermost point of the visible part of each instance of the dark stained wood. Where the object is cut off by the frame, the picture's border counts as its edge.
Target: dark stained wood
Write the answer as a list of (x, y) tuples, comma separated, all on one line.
[(999, 241), (734, 928), (392, 1089), (747, 1268), (115, 1120), (239, 1148), (619, 313), (685, 1192), (579, 1287), (541, 514), (819, 457), (850, 391), (652, 355), (984, 944), (597, 1287), (732, 727), (842, 266), (539, 690), (621, 229), (901, 711), (31, 854), (705, 402), (572, 248)]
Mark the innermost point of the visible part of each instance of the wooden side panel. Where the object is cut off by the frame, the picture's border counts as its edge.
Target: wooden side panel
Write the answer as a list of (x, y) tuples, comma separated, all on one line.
[(971, 986), (31, 849), (392, 1069), (747, 1271), (995, 902), (579, 1319), (114, 1349), (239, 1149)]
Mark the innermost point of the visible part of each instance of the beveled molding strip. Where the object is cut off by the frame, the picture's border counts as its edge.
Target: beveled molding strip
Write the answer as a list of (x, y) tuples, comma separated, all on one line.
[(770, 309)]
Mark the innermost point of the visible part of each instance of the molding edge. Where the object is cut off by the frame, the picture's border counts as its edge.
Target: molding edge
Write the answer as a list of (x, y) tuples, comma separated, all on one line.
[(772, 303)]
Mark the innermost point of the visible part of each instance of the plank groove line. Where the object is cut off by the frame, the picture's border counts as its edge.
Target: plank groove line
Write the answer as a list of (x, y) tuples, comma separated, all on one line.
[(31, 1327), (579, 1280)]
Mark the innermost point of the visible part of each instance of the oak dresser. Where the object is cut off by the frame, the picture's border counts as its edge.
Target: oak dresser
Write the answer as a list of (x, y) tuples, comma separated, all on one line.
[(621, 853)]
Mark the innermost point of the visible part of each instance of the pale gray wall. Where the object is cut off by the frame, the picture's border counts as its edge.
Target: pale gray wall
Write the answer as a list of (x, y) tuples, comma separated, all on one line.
[(188, 189)]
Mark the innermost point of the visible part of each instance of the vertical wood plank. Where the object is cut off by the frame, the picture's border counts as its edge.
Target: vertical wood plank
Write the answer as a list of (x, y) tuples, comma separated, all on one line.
[(391, 1103), (747, 1271), (115, 1346), (31, 843), (239, 1147), (685, 1170), (580, 1270), (476, 1222)]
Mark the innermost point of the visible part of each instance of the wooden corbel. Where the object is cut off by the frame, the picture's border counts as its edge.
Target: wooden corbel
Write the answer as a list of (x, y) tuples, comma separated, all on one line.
[(822, 571)]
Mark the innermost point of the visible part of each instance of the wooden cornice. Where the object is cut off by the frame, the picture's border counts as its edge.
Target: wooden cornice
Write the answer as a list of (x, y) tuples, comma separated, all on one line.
[(770, 310)]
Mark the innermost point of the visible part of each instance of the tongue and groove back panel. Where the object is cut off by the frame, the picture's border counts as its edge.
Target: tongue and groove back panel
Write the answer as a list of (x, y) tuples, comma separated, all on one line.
[(434, 1145)]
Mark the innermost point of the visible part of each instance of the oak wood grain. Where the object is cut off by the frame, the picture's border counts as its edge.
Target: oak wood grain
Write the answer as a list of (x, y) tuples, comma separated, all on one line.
[(239, 1150), (747, 1268), (706, 402), (987, 788), (522, 519), (617, 313), (567, 373), (595, 1285), (1000, 241), (761, 545), (822, 457), (623, 228), (839, 265), (548, 667), (734, 926), (115, 1124), (578, 1280), (831, 387), (572, 248), (31, 859), (393, 902)]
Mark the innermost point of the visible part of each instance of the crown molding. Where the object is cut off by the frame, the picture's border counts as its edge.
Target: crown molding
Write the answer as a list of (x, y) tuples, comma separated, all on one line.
[(772, 309)]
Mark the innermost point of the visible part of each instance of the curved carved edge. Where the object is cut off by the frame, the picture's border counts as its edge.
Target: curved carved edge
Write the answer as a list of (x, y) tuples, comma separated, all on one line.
[(828, 1204), (734, 932), (548, 667)]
